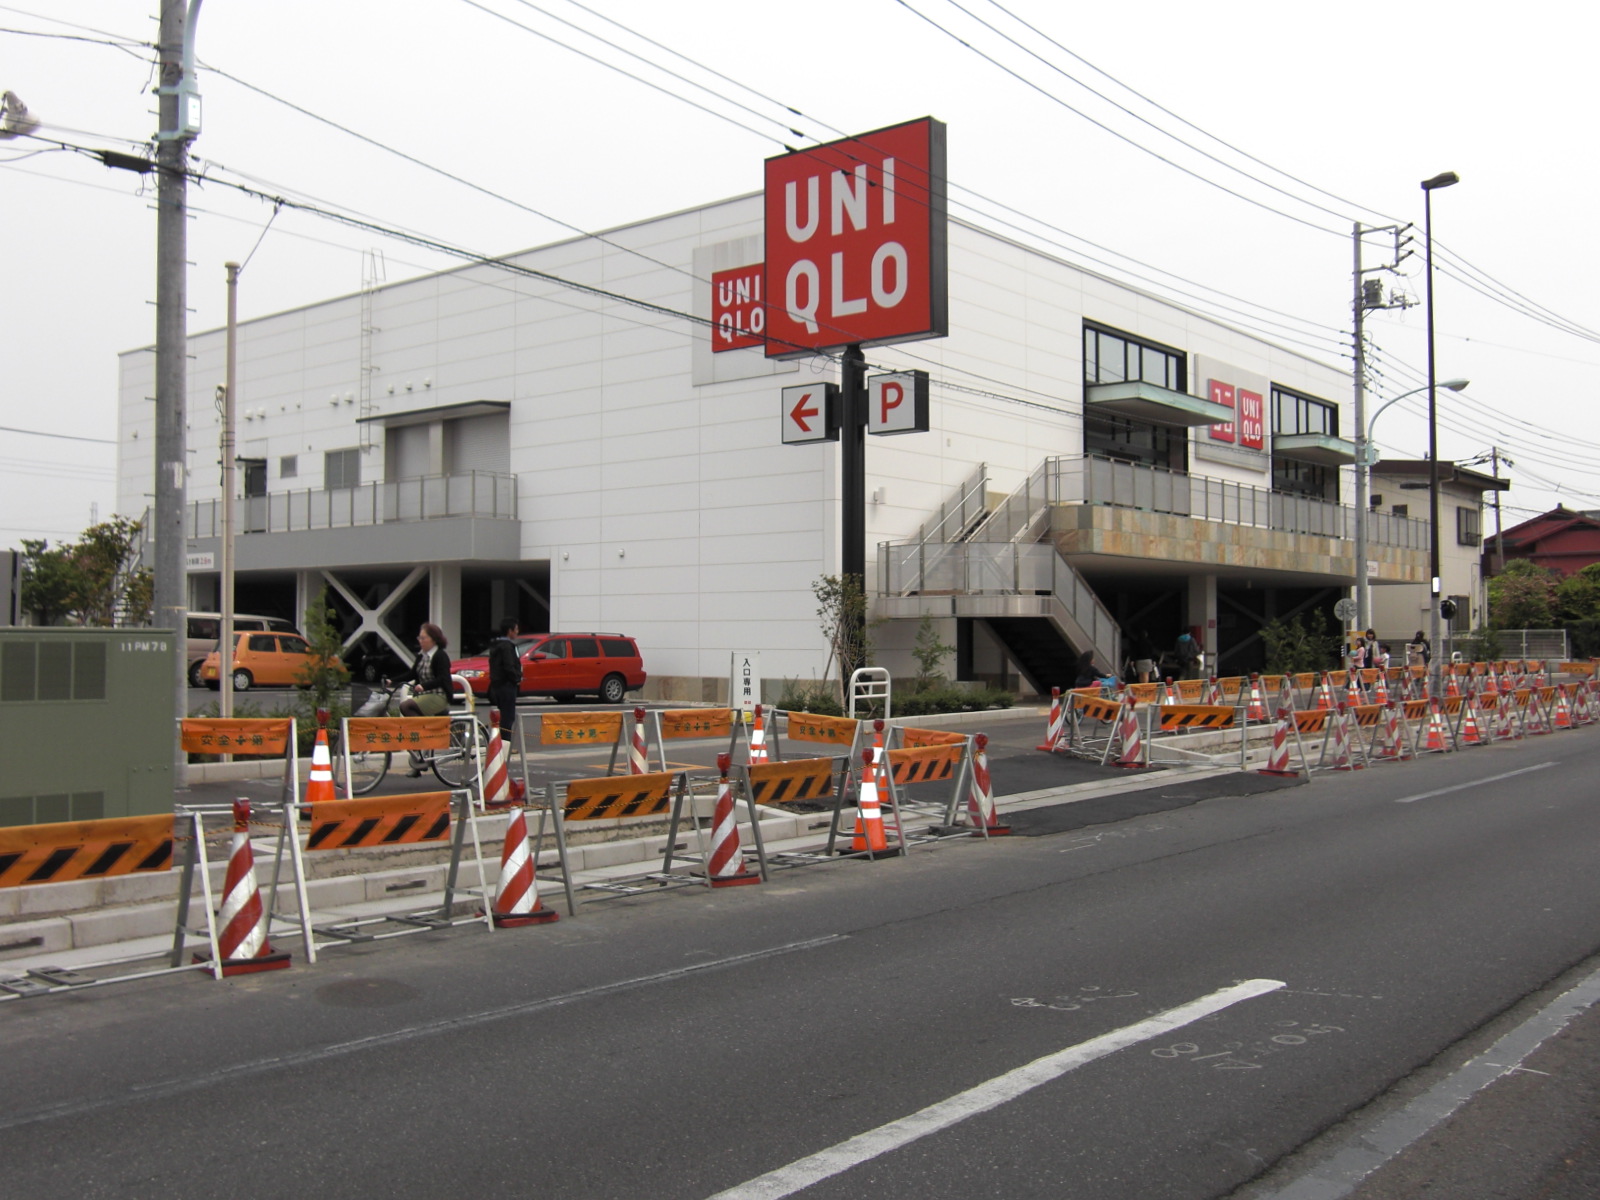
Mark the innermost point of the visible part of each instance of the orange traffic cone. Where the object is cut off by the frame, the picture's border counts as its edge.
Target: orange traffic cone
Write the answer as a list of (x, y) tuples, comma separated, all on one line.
[(1471, 735), (1436, 731), (1325, 692), (1380, 688), (1278, 760), (726, 868), (1352, 688), (869, 837), (638, 756), (497, 774), (320, 786), (1563, 711), (1052, 731), (1391, 744), (1341, 739), (1285, 696), (1168, 696), (758, 740), (1213, 691), (1257, 710), (242, 941), (980, 800)]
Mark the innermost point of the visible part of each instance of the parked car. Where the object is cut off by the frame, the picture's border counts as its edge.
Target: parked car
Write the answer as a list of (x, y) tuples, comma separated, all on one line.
[(564, 665), (206, 627), (260, 660)]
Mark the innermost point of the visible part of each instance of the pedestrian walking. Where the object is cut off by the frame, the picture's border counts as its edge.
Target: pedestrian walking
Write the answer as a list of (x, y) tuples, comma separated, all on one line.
[(505, 674)]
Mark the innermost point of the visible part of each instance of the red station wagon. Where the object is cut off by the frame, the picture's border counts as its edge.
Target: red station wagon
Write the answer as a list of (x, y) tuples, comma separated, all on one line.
[(565, 665)]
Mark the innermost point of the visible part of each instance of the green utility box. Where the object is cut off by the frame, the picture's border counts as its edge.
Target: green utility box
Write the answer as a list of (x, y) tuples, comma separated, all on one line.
[(85, 723)]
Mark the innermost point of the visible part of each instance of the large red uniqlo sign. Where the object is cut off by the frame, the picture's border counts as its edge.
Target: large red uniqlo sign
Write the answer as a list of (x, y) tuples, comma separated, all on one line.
[(855, 241), (1250, 428)]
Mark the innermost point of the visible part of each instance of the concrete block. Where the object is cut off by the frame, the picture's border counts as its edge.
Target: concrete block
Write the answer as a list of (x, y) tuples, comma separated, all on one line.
[(599, 855), (107, 925), (392, 885), (44, 898), (25, 939)]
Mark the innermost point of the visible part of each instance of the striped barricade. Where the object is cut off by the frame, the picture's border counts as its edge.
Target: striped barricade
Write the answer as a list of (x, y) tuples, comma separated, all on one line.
[(1177, 719), (256, 737), (948, 759), (375, 823), (693, 724), (1091, 723), (798, 786), (616, 798)]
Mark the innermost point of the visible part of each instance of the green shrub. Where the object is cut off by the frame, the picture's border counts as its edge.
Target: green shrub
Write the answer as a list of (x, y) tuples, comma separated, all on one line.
[(951, 700), (816, 698)]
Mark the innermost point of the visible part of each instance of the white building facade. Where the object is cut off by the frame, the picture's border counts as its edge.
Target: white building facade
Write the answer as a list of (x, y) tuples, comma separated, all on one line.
[(554, 438)]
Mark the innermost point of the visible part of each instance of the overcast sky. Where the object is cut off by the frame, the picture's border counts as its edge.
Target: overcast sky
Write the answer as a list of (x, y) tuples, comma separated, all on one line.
[(1316, 116)]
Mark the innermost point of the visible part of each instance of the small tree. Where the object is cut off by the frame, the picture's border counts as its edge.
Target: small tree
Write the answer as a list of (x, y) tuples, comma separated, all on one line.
[(1523, 596), (930, 652), (93, 579), (842, 609), (322, 680), (1295, 645), (50, 581)]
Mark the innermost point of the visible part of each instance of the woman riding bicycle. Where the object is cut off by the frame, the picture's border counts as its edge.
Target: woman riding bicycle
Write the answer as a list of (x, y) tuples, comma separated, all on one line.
[(430, 675)]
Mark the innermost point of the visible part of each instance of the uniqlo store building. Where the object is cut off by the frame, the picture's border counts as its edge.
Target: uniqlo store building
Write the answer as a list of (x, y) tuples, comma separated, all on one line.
[(614, 433)]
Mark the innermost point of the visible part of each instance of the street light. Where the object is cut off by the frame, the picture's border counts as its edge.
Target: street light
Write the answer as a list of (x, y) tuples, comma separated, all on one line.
[(1366, 459), (1429, 186)]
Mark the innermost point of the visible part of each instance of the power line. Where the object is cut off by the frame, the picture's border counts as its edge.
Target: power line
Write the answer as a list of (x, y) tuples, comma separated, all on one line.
[(70, 437)]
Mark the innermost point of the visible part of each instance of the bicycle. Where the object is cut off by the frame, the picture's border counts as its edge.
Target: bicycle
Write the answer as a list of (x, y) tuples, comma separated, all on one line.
[(455, 767)]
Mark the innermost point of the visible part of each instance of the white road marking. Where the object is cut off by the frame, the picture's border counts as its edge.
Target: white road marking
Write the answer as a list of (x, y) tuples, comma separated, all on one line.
[(1475, 783), (804, 1172)]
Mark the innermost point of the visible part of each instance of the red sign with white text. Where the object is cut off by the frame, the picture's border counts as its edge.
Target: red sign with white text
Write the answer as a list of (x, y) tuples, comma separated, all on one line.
[(738, 314), (1252, 419), (1222, 393), (855, 241)]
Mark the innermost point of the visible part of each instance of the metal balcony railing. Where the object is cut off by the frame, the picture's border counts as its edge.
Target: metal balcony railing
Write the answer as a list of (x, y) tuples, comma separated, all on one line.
[(473, 494)]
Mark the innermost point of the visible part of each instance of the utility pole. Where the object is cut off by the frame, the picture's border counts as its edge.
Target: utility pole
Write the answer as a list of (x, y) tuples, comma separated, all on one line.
[(1368, 295), (230, 411), (179, 122)]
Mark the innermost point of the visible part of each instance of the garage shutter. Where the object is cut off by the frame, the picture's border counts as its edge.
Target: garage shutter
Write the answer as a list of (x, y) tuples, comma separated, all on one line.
[(478, 444)]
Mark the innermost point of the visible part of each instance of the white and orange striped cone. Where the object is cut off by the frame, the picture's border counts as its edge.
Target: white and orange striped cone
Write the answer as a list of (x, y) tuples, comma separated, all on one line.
[(1168, 696), (1471, 735), (1451, 687), (242, 939), (1278, 760), (1341, 739), (638, 756), (517, 900), (1380, 688), (1353, 694), (1131, 753), (1052, 730), (1436, 736), (758, 739), (1213, 691), (1391, 744), (319, 786), (497, 770), (980, 800), (1325, 693), (1563, 710), (869, 836), (726, 867), (1257, 710), (1285, 695)]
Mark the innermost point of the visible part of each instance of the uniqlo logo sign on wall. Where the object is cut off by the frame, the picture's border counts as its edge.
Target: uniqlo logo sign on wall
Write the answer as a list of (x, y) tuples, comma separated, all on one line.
[(1249, 430), (738, 314), (855, 241)]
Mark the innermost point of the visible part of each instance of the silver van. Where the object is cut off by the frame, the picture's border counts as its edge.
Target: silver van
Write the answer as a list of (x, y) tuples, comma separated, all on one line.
[(205, 630)]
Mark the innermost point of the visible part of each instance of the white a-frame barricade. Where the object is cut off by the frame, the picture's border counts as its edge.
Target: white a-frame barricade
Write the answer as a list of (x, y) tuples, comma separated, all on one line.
[(690, 724), (367, 822), (929, 756), (612, 798)]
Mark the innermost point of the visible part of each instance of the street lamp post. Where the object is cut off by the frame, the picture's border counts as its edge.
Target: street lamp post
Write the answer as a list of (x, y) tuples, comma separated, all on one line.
[(1366, 459), (1429, 186)]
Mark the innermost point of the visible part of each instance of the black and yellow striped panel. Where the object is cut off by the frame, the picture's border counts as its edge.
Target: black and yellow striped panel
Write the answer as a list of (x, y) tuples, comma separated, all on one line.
[(925, 764), (1415, 709), (788, 782), (367, 734), (1196, 716), (1312, 720), (1096, 708), (379, 821), (65, 850), (1368, 715), (695, 723), (609, 797)]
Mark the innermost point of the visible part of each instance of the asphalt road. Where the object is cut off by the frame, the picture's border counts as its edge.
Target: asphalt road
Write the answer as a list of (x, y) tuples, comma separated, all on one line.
[(858, 1028)]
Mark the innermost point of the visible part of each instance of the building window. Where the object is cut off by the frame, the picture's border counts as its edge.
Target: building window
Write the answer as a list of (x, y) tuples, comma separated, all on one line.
[(1293, 413), (341, 468), (1469, 531), (1110, 357), (288, 466), (1461, 623)]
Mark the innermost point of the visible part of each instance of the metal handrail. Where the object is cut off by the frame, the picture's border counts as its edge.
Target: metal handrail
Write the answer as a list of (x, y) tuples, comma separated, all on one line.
[(430, 497)]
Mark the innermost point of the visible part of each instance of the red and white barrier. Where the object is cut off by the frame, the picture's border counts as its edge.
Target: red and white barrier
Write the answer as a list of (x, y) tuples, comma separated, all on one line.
[(726, 867), (242, 939)]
